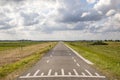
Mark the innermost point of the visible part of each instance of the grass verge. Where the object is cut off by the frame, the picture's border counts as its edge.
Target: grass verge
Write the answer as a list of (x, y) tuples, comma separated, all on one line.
[(106, 58), (8, 69)]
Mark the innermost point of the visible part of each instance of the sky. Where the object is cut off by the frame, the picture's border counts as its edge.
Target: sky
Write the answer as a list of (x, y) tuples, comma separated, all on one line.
[(59, 19)]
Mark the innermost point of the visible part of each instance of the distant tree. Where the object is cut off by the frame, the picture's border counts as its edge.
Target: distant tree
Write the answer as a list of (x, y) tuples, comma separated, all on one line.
[(99, 43)]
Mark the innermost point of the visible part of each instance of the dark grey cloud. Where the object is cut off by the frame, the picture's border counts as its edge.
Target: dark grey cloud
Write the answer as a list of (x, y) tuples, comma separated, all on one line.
[(5, 22), (72, 14), (30, 18), (73, 18)]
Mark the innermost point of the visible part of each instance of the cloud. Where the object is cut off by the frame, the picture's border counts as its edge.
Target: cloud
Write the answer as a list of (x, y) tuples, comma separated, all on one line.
[(91, 1), (30, 18), (105, 6), (59, 19), (110, 12), (85, 14)]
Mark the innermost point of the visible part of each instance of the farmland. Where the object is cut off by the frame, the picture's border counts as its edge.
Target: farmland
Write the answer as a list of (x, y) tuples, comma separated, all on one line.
[(16, 56), (106, 58), (6, 45)]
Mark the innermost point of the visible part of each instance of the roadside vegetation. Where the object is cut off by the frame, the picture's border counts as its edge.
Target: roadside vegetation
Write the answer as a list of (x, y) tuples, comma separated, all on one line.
[(15, 61), (104, 55)]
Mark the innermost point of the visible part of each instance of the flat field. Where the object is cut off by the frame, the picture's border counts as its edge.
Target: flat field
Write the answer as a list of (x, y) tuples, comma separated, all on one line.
[(5, 45), (106, 58), (16, 56)]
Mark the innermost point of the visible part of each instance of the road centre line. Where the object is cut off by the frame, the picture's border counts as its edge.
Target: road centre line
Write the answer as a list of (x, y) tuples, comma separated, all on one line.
[(47, 61), (72, 57), (78, 64), (87, 61), (74, 60)]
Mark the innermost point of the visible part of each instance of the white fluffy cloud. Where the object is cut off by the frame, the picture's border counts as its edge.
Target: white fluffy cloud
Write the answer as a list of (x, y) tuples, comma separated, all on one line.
[(91, 1), (85, 14), (110, 12), (59, 19)]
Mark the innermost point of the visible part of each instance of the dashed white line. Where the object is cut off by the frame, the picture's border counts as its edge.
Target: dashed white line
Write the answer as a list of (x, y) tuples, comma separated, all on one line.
[(87, 61), (47, 61), (62, 72), (75, 72), (88, 72), (78, 64), (49, 72), (72, 57), (56, 73), (69, 73), (42, 74), (36, 72), (69, 54), (74, 60)]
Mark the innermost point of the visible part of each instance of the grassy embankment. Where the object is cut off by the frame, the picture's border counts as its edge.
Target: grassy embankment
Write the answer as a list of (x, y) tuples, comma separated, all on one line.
[(106, 58), (11, 70)]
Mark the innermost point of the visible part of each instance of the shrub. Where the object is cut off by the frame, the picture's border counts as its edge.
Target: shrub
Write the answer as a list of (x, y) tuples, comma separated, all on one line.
[(99, 43)]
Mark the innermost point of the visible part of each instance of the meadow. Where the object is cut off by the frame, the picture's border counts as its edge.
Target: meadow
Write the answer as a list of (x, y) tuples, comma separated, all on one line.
[(5, 45), (106, 58), (17, 56)]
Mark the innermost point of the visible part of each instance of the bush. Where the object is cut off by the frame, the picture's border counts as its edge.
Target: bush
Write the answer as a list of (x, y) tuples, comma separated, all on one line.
[(99, 43)]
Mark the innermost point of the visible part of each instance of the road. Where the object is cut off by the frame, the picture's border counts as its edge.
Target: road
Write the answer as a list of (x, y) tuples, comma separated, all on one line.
[(61, 63)]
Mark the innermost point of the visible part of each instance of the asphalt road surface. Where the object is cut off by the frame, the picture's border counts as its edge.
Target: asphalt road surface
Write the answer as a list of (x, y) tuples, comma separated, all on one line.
[(62, 63)]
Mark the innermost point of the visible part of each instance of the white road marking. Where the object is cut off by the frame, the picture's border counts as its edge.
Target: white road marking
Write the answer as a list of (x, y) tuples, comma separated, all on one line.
[(69, 54), (62, 72), (50, 55), (97, 74), (47, 61), (42, 74), (75, 72), (88, 72), (56, 73), (83, 74), (74, 60), (36, 72), (87, 61), (78, 64), (28, 75), (72, 57), (49, 72), (69, 73)]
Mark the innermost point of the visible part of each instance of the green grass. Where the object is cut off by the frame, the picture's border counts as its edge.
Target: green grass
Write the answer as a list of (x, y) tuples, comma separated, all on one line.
[(104, 57), (15, 44), (7, 69)]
